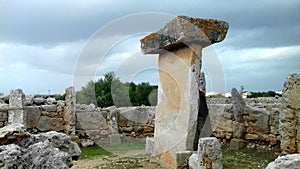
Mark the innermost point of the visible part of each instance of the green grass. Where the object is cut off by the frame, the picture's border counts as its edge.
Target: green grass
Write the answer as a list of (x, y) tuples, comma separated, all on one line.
[(136, 144), (96, 151), (242, 159), (93, 151), (247, 158)]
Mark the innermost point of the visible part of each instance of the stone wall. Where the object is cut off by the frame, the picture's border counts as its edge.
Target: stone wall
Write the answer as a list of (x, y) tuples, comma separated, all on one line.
[(3, 114), (265, 121), (261, 124), (98, 124), (256, 102)]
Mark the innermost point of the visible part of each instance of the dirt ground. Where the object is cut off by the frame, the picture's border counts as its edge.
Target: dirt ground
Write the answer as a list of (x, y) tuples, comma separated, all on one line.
[(132, 159)]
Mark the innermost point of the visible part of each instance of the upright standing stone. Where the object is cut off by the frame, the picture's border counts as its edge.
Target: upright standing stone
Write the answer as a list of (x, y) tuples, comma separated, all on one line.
[(16, 113), (209, 153), (179, 45), (69, 112), (289, 117)]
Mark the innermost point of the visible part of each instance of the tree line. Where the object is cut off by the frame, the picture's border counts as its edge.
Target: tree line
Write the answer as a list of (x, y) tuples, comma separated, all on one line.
[(111, 91)]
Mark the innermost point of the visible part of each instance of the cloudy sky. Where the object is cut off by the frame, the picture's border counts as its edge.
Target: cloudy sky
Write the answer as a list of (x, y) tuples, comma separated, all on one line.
[(50, 45)]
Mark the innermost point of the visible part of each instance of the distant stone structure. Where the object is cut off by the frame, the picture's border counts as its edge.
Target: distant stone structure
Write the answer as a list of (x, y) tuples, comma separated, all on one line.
[(16, 114), (182, 109)]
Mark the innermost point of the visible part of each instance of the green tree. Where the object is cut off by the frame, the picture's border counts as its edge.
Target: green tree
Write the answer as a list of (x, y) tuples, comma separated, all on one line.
[(109, 91), (87, 94)]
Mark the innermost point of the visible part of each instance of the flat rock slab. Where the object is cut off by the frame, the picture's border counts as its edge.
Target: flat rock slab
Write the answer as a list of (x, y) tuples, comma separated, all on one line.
[(183, 31)]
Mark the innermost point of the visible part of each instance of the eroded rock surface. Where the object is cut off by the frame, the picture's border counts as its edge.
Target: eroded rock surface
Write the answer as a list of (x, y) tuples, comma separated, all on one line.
[(289, 117), (183, 31), (19, 149), (291, 161)]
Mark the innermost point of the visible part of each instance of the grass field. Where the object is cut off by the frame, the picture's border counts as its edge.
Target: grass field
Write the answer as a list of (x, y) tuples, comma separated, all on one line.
[(120, 156)]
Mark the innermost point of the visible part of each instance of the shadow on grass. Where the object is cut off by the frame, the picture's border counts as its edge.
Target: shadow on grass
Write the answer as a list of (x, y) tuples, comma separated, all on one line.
[(107, 150)]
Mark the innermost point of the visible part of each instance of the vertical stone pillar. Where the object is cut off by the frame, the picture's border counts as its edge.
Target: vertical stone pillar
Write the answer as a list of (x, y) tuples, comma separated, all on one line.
[(209, 153), (181, 93), (289, 117), (16, 113), (69, 111)]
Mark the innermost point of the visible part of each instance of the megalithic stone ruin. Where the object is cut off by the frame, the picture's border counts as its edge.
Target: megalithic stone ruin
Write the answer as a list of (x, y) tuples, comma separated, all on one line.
[(179, 115)]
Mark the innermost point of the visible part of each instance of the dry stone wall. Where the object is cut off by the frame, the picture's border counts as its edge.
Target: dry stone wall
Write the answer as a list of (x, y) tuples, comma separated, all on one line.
[(99, 124)]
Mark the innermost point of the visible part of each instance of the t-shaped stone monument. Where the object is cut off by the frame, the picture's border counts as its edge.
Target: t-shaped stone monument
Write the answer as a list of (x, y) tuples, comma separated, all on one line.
[(179, 45)]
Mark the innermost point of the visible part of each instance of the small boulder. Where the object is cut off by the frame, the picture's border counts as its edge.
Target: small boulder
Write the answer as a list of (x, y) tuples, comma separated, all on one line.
[(291, 161)]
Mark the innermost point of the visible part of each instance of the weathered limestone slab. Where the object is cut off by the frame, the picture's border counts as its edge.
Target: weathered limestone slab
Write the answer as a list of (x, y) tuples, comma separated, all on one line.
[(209, 155), (237, 144), (289, 117), (46, 123), (176, 118), (16, 114), (285, 162), (69, 112), (149, 145), (33, 116), (182, 109), (185, 30), (114, 139), (182, 159)]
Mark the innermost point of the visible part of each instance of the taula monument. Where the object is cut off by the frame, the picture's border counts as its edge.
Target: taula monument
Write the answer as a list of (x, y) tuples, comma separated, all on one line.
[(182, 109)]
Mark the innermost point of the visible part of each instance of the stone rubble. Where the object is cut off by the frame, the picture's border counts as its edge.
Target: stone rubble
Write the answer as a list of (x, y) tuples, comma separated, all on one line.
[(209, 155), (20, 149), (291, 161)]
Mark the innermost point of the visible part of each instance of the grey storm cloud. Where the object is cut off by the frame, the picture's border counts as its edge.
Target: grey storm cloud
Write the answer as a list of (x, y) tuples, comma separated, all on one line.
[(50, 41), (271, 23)]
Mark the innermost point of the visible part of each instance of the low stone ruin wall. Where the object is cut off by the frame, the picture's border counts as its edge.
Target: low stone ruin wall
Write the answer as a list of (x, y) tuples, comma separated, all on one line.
[(45, 116), (256, 102), (261, 124), (98, 124), (262, 121)]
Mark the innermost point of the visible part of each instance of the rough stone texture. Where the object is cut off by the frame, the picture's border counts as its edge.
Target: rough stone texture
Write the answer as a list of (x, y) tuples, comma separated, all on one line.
[(133, 116), (209, 153), (274, 121), (291, 91), (114, 139), (289, 117), (3, 114), (178, 104), (238, 105), (237, 144), (90, 121), (149, 146), (33, 116), (16, 114), (258, 120), (182, 110), (12, 133), (182, 159), (39, 101), (194, 161), (86, 143), (47, 150), (69, 112), (291, 161), (50, 124), (183, 31)]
